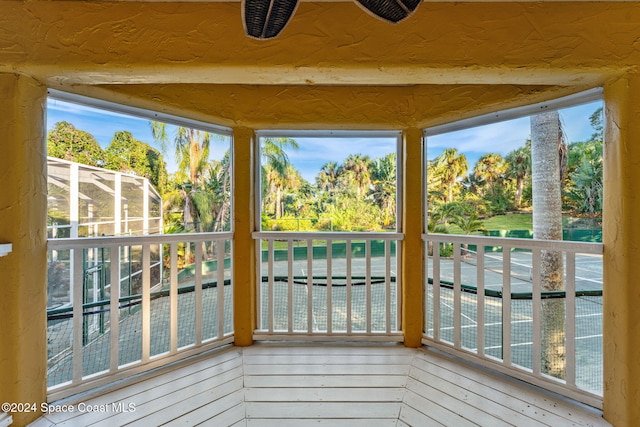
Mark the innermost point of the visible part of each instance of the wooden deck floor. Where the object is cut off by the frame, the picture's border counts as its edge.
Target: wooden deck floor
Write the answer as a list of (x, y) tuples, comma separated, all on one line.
[(332, 385)]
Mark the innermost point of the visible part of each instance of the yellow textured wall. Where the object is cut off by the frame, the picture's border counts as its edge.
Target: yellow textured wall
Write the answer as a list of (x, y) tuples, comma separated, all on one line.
[(23, 352), (325, 43), (331, 107), (334, 66), (244, 260), (412, 245), (621, 235)]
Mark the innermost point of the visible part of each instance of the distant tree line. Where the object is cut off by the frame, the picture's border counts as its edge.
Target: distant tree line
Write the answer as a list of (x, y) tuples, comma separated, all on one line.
[(356, 194), (124, 154), (498, 184)]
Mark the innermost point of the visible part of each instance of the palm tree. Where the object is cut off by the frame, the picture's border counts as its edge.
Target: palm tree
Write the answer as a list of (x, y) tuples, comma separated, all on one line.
[(587, 189), (434, 185), (383, 178), (451, 166), (192, 154), (358, 165), (274, 169), (547, 140), (584, 170), (291, 184), (219, 185), (327, 178), (519, 168), (192, 149), (469, 223), (489, 169)]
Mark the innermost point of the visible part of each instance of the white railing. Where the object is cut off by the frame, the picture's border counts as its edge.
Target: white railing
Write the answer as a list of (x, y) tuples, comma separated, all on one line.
[(337, 286), (484, 301), (179, 305), (106, 227)]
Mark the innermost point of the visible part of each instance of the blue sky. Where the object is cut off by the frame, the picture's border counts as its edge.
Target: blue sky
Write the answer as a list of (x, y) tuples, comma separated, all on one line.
[(503, 137), (315, 151), (103, 124)]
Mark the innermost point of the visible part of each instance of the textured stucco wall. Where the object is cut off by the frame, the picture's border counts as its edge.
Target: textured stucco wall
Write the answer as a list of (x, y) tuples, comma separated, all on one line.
[(331, 107), (325, 43), (621, 236), (23, 198)]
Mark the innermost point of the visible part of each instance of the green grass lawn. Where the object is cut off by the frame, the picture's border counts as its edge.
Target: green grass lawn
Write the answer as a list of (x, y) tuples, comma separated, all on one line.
[(509, 222), (517, 221), (524, 221)]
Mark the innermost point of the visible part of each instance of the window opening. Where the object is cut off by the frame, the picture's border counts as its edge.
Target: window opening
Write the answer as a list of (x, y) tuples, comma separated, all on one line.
[(328, 181), (532, 173), (118, 171), (329, 215)]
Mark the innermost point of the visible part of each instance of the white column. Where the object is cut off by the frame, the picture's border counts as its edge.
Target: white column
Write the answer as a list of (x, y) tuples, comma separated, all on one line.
[(74, 214), (145, 207), (117, 205)]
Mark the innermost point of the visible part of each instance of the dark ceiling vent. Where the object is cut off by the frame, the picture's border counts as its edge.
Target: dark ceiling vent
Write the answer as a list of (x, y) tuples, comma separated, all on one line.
[(390, 10), (264, 19)]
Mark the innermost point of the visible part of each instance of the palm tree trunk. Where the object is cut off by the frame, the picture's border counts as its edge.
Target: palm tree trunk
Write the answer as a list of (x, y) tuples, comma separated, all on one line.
[(547, 224), (519, 191), (278, 210), (194, 147)]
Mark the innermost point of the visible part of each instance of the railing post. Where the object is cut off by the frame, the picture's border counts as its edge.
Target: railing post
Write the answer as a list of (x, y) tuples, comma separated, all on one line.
[(117, 204), (412, 245), (242, 199)]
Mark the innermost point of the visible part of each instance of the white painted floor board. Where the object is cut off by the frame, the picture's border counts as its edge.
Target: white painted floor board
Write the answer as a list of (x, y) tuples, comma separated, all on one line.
[(329, 348), (215, 400), (320, 359), (234, 416), (322, 410), (211, 412), (412, 417), (325, 381), (157, 401), (365, 422), (329, 394), (343, 385), (294, 369), (432, 410), (153, 387), (241, 423), (510, 393), (401, 423), (494, 401), (467, 411)]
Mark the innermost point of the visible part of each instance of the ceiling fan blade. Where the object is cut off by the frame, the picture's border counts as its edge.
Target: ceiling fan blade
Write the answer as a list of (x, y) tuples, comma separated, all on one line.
[(390, 10), (265, 19)]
